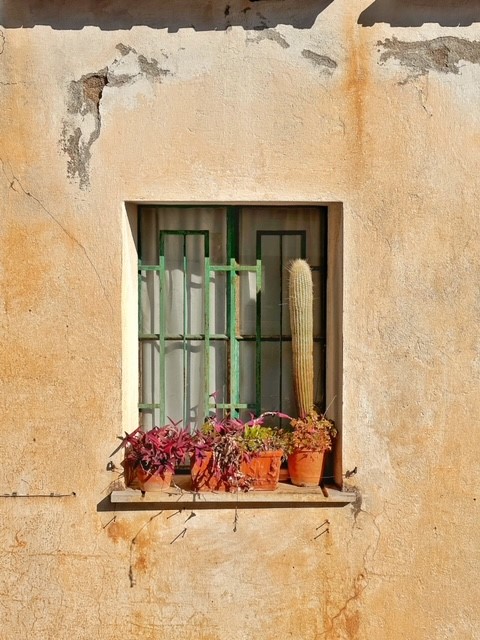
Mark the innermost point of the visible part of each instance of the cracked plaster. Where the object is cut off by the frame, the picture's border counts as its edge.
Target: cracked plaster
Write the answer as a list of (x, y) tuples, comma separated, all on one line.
[(83, 123)]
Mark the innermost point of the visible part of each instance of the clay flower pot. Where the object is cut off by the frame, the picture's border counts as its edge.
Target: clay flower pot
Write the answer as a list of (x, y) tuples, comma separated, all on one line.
[(264, 468), (203, 475), (153, 482), (129, 474), (306, 467)]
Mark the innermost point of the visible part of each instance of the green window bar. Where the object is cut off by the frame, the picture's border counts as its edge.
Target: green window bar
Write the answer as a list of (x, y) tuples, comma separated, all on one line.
[(233, 403), (233, 279)]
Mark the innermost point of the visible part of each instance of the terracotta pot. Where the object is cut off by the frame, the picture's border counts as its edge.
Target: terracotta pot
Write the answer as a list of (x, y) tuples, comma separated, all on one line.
[(203, 476), (284, 474), (155, 482), (306, 467), (129, 474), (264, 468)]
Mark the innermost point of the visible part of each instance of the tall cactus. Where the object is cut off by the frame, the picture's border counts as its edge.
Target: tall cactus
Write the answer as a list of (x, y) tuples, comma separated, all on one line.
[(300, 292)]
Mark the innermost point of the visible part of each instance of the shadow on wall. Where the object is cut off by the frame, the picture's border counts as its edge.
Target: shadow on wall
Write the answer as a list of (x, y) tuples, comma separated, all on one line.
[(201, 15), (414, 13)]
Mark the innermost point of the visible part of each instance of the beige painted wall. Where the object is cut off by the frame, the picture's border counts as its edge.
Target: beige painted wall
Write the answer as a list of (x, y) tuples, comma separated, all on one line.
[(373, 104)]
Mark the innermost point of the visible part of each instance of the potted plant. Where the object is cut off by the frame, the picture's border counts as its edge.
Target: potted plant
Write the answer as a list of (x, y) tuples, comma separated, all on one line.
[(152, 456), (310, 437), (230, 455), (312, 432)]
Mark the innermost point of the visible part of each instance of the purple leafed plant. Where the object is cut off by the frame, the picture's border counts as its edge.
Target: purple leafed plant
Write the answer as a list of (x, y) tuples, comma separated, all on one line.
[(158, 450)]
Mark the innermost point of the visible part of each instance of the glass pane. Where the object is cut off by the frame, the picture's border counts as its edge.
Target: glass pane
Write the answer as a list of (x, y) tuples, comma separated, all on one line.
[(149, 381), (218, 304), (184, 374), (271, 285), (270, 400), (150, 302), (247, 373), (247, 303), (218, 382), (173, 296), (195, 293), (288, 398)]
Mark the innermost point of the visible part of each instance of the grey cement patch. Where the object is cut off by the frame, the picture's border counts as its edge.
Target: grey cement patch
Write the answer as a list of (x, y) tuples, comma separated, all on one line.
[(269, 34), (320, 60), (442, 55)]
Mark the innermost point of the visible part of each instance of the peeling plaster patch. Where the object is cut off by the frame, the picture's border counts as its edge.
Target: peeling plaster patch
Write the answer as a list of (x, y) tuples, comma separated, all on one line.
[(2, 42), (320, 60), (151, 68), (269, 34), (124, 48), (440, 54), (82, 125)]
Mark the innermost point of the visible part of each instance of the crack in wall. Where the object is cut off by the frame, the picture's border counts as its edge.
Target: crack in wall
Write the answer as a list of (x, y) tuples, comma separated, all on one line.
[(351, 619), (83, 124), (2, 42), (442, 54), (14, 182)]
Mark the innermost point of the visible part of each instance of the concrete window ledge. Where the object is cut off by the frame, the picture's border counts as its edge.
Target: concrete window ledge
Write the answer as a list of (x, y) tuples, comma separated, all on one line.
[(286, 495)]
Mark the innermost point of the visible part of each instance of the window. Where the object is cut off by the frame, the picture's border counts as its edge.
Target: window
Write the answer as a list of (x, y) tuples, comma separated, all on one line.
[(214, 327)]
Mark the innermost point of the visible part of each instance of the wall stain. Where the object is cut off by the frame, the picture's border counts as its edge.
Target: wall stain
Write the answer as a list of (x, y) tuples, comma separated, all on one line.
[(82, 126), (119, 531), (357, 90), (320, 60), (440, 54)]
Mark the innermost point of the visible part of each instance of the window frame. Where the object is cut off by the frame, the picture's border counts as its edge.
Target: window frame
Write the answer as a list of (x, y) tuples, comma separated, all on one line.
[(334, 377)]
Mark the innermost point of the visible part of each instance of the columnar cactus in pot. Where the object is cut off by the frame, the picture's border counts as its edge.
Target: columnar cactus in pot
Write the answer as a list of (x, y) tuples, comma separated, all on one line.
[(300, 293), (312, 432)]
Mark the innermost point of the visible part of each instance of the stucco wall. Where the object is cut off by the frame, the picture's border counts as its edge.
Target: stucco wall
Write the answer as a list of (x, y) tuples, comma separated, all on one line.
[(372, 104)]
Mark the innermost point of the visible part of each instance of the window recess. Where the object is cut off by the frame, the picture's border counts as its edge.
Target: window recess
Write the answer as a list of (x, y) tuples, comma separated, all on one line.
[(214, 328)]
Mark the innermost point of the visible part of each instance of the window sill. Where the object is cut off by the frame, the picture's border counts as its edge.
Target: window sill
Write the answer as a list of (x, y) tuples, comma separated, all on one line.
[(286, 495)]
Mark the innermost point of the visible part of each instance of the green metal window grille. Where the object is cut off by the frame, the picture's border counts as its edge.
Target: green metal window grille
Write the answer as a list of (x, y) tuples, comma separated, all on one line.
[(245, 354)]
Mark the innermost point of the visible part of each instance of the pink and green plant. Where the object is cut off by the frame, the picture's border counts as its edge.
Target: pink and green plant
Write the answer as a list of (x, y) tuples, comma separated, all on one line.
[(159, 450), (313, 432), (232, 441)]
